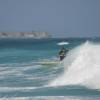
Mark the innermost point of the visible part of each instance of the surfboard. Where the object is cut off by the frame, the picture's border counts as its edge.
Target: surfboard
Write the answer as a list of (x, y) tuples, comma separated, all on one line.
[(48, 62)]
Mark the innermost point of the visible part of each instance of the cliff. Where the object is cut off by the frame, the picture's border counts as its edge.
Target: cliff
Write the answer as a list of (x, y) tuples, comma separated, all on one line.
[(35, 35)]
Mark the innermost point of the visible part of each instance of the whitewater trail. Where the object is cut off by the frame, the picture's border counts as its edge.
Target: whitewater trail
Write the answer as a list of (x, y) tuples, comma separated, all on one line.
[(81, 67)]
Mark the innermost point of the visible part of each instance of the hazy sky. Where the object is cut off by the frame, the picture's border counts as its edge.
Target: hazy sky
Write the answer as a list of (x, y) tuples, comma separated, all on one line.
[(59, 17)]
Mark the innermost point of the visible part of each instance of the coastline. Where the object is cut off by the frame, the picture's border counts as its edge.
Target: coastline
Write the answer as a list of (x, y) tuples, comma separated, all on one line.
[(25, 35)]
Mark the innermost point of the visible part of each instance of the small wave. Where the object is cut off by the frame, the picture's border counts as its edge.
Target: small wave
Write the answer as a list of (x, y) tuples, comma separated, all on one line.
[(52, 98), (63, 43), (9, 89)]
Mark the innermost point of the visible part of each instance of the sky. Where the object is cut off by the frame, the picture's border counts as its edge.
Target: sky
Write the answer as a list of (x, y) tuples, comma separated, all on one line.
[(60, 18)]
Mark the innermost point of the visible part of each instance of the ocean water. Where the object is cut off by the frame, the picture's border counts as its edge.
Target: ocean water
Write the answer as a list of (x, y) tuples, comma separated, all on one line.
[(77, 77)]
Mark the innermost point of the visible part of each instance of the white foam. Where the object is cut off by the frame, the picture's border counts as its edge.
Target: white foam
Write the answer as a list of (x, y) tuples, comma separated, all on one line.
[(9, 89), (81, 66), (52, 98), (63, 43)]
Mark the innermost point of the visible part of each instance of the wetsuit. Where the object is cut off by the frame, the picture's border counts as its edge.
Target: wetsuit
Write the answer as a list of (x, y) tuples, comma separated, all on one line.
[(62, 54)]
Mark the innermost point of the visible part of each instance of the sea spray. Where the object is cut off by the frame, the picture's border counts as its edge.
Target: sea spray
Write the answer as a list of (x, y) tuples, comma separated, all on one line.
[(81, 67)]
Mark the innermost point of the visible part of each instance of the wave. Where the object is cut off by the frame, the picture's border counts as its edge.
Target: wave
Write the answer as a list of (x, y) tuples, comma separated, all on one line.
[(63, 43), (52, 98), (9, 89), (81, 67)]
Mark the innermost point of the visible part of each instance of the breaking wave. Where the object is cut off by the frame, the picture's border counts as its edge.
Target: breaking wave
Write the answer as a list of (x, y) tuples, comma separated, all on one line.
[(81, 67)]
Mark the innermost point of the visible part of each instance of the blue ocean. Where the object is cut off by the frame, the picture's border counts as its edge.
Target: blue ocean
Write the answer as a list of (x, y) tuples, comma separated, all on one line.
[(23, 76)]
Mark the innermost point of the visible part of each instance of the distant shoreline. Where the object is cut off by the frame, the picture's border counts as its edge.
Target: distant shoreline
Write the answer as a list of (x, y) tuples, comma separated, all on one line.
[(37, 35), (25, 35)]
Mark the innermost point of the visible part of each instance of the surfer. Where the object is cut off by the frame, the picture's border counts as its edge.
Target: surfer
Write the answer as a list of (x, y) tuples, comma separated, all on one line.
[(62, 53)]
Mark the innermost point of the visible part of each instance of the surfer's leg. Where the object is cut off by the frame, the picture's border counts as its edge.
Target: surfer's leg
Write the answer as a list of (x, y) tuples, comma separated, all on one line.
[(61, 58)]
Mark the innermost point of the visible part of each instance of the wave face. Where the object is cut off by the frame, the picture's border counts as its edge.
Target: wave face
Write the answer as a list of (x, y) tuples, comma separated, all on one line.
[(81, 67)]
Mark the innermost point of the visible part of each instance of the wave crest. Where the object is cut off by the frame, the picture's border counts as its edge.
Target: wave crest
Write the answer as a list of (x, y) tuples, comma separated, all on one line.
[(81, 67)]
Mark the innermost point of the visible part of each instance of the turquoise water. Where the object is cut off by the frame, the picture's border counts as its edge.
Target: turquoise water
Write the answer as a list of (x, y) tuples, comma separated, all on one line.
[(22, 77)]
